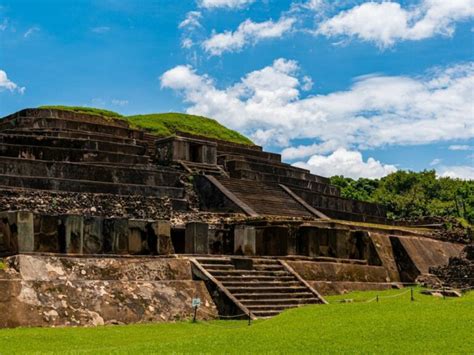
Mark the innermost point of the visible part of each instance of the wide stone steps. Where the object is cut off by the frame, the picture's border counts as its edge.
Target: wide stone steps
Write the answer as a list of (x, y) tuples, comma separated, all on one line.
[(69, 185), (262, 286), (264, 199), (72, 143), (119, 174), (70, 124), (66, 154), (74, 134)]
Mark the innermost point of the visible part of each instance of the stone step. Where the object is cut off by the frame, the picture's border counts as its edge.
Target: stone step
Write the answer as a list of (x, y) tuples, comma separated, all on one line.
[(43, 122), (268, 307), (218, 267), (207, 261), (121, 174), (72, 155), (249, 273), (277, 302), (243, 287), (272, 295), (45, 183), (257, 277), (257, 285), (75, 134), (268, 267), (266, 314), (72, 143)]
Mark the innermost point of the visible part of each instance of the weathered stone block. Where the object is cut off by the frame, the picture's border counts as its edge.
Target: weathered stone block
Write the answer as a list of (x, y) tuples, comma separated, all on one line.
[(93, 237), (115, 233), (25, 231), (74, 234), (163, 231), (245, 240), (196, 238)]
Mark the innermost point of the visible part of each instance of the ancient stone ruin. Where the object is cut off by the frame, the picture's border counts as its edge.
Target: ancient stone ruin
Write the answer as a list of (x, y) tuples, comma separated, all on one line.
[(102, 223)]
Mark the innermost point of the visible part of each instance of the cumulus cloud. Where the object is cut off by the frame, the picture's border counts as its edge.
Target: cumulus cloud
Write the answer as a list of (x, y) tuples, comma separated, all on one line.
[(248, 32), (464, 172), (460, 147), (119, 102), (229, 4), (385, 23), (377, 110), (347, 163), (191, 20), (100, 29), (7, 84), (30, 32)]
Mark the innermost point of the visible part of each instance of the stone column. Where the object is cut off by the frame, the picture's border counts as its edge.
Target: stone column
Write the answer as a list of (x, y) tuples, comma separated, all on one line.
[(245, 240), (74, 234), (163, 231), (196, 238), (26, 233)]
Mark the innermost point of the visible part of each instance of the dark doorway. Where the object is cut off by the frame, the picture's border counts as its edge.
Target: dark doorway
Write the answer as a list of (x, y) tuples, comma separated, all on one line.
[(178, 240), (195, 153), (62, 237)]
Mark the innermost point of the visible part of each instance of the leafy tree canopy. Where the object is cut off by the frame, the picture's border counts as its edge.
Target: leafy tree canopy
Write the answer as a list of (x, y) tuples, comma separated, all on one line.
[(408, 194)]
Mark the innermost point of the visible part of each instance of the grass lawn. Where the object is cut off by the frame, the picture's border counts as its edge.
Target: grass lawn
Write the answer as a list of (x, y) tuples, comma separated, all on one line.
[(393, 325)]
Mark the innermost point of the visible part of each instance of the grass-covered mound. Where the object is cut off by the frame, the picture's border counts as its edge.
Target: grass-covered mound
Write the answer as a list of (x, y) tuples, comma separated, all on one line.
[(428, 325), (166, 124), (83, 109)]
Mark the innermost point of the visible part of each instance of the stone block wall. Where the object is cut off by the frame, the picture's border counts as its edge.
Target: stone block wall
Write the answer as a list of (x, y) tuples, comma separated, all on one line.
[(67, 291), (25, 232)]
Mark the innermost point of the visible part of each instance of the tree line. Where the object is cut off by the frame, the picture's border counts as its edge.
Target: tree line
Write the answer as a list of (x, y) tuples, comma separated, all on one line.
[(412, 195)]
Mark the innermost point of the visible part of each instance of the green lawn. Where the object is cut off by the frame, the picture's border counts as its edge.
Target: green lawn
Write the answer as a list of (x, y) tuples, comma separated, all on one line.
[(393, 325)]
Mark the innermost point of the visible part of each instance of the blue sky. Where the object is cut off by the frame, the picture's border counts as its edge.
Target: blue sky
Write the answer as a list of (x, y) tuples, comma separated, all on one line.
[(340, 87)]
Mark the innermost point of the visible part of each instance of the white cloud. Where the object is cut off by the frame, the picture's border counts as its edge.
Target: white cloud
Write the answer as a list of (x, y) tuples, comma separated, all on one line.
[(375, 111), (464, 172), (31, 31), (229, 4), (191, 20), (248, 32), (187, 43), (436, 161), (460, 147), (387, 22), (100, 29), (4, 25), (119, 102), (7, 84), (347, 163)]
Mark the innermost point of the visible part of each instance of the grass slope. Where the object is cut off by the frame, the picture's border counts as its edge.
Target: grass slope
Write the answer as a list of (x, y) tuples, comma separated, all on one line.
[(83, 109), (394, 325), (166, 124)]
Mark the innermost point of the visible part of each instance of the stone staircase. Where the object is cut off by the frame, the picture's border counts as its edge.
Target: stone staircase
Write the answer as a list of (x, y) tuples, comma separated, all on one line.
[(263, 287), (263, 198)]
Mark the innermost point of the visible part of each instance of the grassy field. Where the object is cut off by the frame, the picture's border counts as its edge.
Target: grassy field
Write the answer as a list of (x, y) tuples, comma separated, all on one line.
[(166, 124), (393, 325)]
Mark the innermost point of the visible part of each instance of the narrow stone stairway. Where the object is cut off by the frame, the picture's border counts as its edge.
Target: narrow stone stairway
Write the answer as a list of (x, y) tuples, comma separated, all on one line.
[(264, 286)]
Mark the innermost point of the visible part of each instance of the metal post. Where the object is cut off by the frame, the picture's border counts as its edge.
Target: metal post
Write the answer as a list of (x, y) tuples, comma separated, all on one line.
[(194, 316), (377, 298), (250, 318), (412, 298)]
